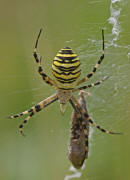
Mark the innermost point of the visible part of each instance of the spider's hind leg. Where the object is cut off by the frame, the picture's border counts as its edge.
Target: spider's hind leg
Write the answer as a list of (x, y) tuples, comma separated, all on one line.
[(86, 116), (35, 109), (24, 122), (20, 114)]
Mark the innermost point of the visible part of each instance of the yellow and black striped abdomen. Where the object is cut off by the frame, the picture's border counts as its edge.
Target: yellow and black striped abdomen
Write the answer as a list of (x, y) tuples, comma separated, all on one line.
[(66, 68)]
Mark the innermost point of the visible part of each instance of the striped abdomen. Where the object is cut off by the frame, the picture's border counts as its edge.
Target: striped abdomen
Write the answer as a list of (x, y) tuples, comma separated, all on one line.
[(66, 68)]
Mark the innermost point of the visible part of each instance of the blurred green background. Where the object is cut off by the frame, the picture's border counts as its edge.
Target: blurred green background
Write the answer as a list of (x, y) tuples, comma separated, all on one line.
[(42, 154)]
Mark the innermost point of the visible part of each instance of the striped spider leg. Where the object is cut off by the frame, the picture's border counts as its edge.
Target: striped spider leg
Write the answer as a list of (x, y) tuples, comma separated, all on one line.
[(33, 110), (96, 66), (47, 79), (91, 85), (78, 145), (84, 113)]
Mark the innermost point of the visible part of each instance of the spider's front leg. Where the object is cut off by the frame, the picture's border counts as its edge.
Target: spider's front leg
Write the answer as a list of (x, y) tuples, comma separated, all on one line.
[(34, 110), (96, 66), (47, 79)]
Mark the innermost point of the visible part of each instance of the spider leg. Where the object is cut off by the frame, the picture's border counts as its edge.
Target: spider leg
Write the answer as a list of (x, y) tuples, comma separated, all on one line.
[(86, 116), (38, 61), (97, 65), (37, 107), (91, 85), (24, 122), (86, 132), (100, 128)]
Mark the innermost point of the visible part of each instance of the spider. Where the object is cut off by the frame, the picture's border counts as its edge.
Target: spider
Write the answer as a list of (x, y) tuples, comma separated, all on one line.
[(66, 71)]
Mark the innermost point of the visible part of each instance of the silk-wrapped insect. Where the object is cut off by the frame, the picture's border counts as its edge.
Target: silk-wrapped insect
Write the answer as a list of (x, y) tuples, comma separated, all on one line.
[(78, 145), (79, 138)]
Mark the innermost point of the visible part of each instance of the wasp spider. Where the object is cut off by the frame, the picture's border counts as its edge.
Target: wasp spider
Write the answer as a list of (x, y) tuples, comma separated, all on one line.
[(66, 71)]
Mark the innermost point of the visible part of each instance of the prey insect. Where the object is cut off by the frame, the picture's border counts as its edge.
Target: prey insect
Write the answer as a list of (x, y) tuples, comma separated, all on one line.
[(79, 140), (78, 144), (66, 71)]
